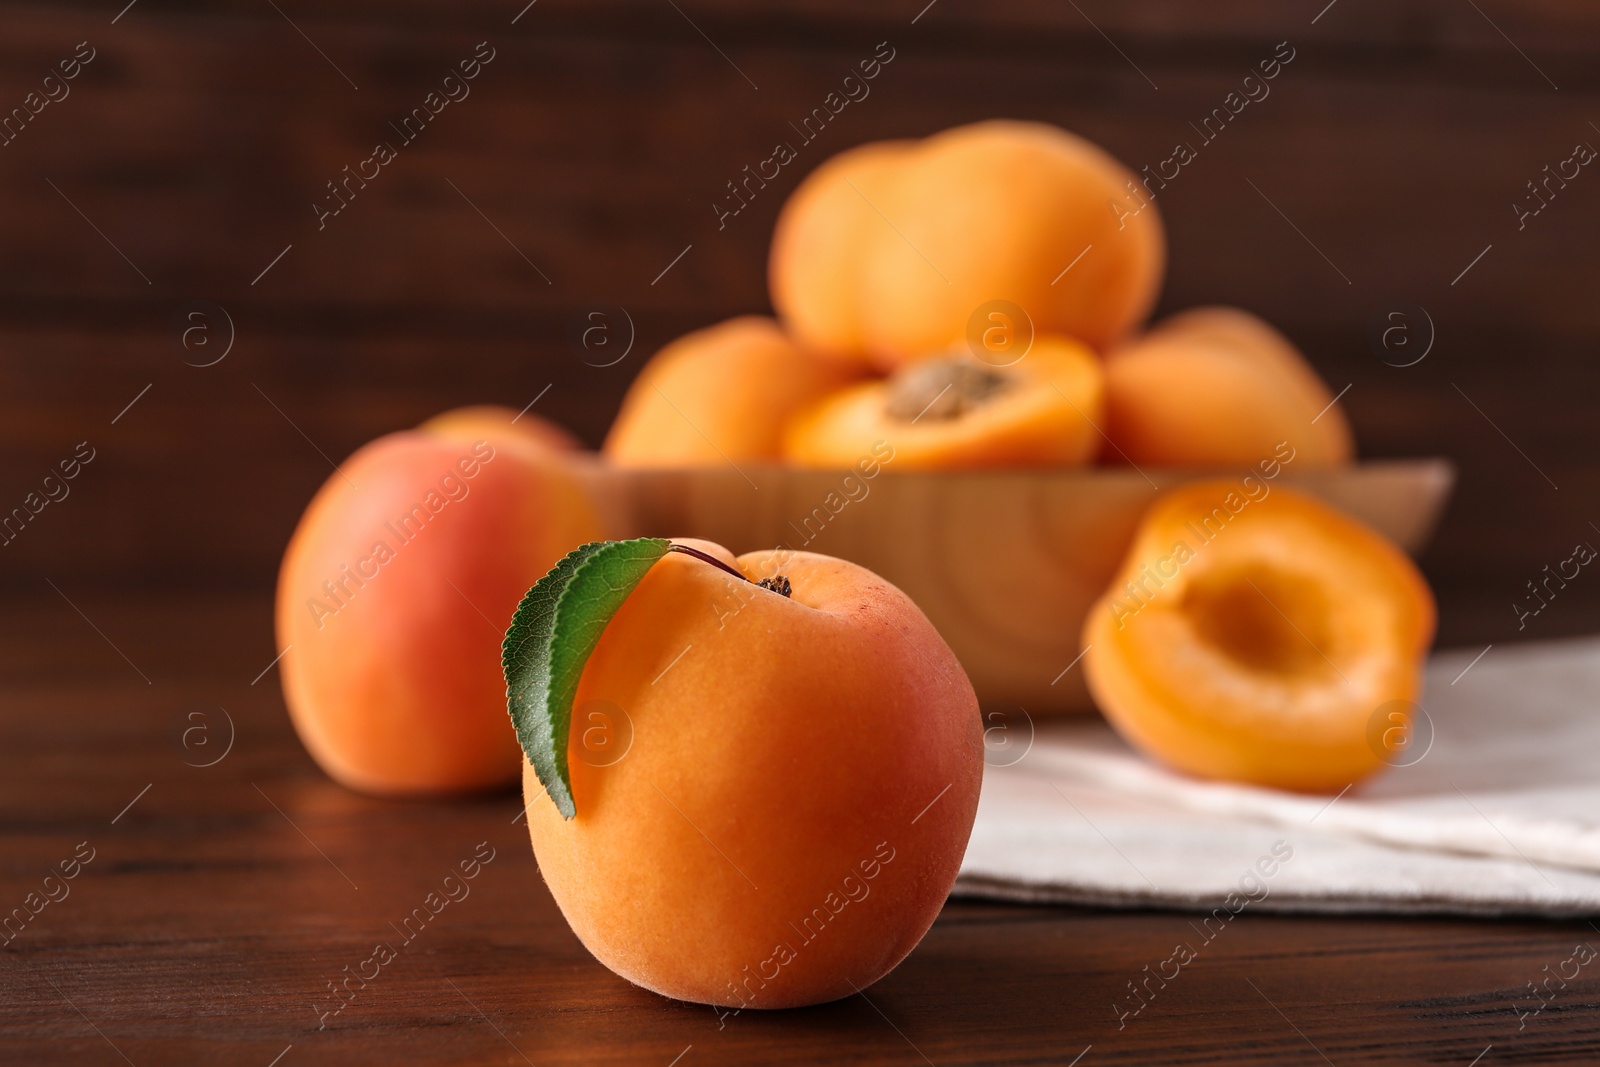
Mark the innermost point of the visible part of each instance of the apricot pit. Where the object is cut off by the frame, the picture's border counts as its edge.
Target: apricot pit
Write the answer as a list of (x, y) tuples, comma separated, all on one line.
[(957, 411)]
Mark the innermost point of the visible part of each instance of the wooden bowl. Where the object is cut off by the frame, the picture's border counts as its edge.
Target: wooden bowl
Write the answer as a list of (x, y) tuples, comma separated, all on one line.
[(1005, 562)]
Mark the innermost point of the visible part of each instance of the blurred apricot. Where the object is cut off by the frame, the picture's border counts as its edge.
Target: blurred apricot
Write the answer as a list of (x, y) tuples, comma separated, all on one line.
[(958, 411), (1218, 387), (394, 593), (718, 395), (887, 252), (1253, 633)]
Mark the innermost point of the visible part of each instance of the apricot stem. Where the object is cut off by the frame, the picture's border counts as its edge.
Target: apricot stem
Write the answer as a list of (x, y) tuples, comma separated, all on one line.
[(779, 585), (705, 557)]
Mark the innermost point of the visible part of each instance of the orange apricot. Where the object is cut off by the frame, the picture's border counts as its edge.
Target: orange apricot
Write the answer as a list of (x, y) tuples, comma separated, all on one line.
[(718, 395), (959, 411), (886, 252), (815, 284), (1218, 387), (1253, 633), (392, 597), (795, 795), (481, 421)]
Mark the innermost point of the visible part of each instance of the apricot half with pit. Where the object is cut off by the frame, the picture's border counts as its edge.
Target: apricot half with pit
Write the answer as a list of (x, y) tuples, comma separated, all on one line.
[(795, 781), (959, 411), (1253, 632)]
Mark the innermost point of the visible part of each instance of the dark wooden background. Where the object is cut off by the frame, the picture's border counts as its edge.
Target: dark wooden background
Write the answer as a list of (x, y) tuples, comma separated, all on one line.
[(596, 141)]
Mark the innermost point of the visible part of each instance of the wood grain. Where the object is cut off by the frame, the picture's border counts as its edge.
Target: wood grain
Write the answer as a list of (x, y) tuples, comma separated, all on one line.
[(218, 906), (1006, 564)]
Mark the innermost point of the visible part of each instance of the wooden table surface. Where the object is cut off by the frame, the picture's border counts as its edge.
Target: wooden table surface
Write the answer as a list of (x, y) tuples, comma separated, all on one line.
[(221, 900)]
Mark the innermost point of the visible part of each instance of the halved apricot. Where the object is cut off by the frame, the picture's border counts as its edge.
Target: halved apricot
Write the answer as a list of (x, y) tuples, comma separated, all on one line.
[(1218, 387), (1252, 633), (958, 411), (719, 395)]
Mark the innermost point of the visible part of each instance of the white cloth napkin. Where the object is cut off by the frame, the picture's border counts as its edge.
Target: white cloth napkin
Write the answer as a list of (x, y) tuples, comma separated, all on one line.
[(1501, 816)]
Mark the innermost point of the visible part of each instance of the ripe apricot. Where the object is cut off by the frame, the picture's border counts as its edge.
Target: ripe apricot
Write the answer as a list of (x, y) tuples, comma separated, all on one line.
[(959, 411), (392, 597), (718, 395), (1218, 387), (885, 252), (1252, 633), (477, 422), (815, 285), (797, 790)]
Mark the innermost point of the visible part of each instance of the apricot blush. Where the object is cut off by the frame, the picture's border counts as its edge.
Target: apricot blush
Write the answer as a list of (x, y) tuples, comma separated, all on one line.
[(386, 599)]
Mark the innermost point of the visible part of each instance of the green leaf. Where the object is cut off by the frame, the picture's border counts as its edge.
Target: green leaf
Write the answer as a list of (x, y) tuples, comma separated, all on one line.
[(552, 634)]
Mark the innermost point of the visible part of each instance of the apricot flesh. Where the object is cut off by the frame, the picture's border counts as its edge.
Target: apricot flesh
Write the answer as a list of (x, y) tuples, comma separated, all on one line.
[(884, 253), (391, 599), (1253, 632), (1218, 387), (796, 793), (1041, 410), (718, 395)]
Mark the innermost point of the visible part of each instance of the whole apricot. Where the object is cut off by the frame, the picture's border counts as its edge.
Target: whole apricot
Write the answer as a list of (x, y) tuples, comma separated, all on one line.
[(1253, 633), (960, 412), (1218, 387), (391, 597), (887, 252), (718, 395), (795, 793)]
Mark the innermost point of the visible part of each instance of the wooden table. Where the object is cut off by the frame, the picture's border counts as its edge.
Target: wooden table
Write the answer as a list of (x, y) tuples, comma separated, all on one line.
[(221, 900)]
